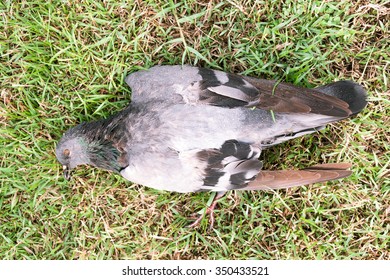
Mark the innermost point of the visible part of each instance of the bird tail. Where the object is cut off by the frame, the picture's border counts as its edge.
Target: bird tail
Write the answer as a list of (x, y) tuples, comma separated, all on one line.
[(283, 179), (349, 92)]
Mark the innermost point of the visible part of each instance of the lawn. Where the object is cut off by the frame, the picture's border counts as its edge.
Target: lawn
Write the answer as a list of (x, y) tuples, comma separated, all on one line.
[(64, 62)]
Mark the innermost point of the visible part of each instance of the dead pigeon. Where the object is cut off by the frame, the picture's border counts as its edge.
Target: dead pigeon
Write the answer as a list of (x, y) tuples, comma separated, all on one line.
[(191, 129)]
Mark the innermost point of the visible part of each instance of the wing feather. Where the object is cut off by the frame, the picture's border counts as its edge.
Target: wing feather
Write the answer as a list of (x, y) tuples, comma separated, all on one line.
[(201, 86)]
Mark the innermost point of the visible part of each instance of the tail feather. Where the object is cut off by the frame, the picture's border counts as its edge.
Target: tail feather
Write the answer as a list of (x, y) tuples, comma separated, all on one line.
[(347, 91), (282, 179)]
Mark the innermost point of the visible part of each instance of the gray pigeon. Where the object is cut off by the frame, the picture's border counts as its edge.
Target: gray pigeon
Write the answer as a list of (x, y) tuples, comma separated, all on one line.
[(191, 129)]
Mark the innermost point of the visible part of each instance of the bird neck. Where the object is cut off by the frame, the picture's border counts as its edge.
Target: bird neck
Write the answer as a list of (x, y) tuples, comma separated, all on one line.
[(104, 155), (100, 140)]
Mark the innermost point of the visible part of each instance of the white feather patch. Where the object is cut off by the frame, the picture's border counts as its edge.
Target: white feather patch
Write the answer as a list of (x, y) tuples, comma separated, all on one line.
[(229, 92)]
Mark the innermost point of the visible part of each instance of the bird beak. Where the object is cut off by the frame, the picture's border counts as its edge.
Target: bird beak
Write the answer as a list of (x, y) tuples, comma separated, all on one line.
[(66, 172)]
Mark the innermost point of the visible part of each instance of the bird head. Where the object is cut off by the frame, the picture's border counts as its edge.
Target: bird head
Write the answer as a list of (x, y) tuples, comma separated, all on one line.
[(88, 143), (72, 151)]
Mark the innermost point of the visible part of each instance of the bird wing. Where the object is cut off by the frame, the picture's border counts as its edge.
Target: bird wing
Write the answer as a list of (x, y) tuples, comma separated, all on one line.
[(202, 86), (235, 165), (282, 179), (232, 166)]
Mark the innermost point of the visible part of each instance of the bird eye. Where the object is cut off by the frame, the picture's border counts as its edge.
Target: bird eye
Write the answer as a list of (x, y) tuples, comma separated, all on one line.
[(66, 153)]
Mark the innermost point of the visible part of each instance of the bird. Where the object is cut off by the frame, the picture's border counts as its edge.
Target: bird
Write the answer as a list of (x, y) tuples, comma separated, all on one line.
[(191, 129)]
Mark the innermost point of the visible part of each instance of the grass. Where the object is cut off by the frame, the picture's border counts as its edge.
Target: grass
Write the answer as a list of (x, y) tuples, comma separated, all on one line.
[(64, 62)]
